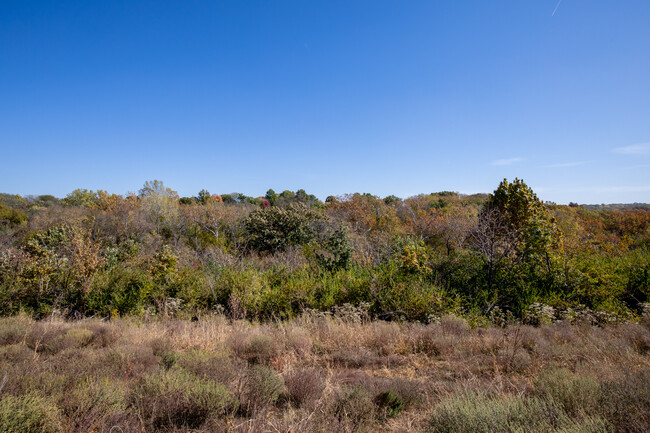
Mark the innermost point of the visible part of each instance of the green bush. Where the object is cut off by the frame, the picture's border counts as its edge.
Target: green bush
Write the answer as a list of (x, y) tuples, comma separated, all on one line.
[(275, 229), (29, 413), (262, 387), (119, 290), (337, 251), (406, 296), (482, 414), (178, 398), (578, 395), (260, 349), (390, 403)]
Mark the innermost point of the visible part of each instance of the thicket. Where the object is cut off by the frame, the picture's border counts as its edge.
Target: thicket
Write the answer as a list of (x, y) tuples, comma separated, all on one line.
[(497, 257)]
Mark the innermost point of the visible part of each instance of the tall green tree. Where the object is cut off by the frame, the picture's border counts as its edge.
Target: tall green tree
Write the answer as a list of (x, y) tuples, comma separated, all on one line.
[(524, 214)]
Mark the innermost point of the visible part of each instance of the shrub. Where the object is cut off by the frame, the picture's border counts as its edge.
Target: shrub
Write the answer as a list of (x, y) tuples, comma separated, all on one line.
[(168, 360), (539, 314), (354, 405), (79, 337), (208, 365), (121, 289), (130, 360), (409, 392), (12, 330), (337, 251), (53, 338), (262, 387), (626, 403), (431, 341), (454, 325), (482, 414), (638, 336), (47, 338), (160, 345), (178, 398), (259, 349), (576, 394), (304, 387), (390, 403), (16, 353), (29, 413), (92, 401), (104, 334), (274, 229)]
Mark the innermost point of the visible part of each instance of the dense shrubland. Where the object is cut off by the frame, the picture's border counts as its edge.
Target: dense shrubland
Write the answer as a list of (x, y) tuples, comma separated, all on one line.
[(494, 258)]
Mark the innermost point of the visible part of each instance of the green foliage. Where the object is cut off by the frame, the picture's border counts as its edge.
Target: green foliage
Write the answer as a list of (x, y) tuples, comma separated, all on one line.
[(578, 395), (272, 197), (337, 251), (13, 201), (120, 290), (262, 387), (525, 215), (11, 216), (412, 256), (275, 229), (407, 298), (517, 203), (482, 414), (177, 398), (81, 197), (203, 197), (108, 255), (391, 200), (390, 403), (98, 398), (29, 413), (45, 200)]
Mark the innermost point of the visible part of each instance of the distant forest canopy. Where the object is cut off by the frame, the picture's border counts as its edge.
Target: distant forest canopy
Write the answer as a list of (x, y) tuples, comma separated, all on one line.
[(490, 257)]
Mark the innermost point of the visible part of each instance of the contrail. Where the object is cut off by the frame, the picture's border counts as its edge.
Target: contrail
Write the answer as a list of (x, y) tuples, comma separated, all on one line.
[(555, 10)]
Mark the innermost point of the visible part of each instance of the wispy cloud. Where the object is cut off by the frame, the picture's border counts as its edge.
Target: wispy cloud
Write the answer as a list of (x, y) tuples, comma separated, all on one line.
[(635, 149), (507, 161), (556, 8), (602, 189), (567, 164)]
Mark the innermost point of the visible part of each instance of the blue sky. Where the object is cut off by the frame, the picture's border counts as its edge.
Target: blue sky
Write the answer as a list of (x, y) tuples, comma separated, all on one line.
[(387, 97)]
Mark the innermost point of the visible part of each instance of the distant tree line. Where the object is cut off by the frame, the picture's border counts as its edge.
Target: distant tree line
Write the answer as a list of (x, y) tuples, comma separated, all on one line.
[(486, 256)]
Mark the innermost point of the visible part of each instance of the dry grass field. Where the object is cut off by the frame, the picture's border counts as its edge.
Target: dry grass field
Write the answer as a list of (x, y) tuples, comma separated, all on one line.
[(319, 373)]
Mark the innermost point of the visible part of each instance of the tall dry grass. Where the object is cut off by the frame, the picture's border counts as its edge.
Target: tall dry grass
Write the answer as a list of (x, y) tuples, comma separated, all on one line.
[(320, 373)]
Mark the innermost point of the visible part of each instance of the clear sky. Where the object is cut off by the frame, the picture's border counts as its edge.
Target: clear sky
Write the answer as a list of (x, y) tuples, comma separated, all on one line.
[(388, 97)]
